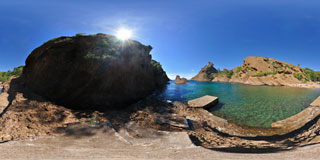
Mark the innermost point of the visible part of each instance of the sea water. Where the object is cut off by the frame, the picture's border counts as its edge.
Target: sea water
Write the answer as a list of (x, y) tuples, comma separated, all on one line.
[(256, 106)]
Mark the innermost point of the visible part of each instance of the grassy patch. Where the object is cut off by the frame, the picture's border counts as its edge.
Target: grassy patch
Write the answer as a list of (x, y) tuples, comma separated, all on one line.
[(225, 72), (261, 74)]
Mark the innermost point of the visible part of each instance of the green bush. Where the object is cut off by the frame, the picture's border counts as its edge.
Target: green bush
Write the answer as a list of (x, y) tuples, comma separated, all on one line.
[(299, 76), (238, 69), (225, 72), (5, 76), (260, 74), (311, 75), (80, 34)]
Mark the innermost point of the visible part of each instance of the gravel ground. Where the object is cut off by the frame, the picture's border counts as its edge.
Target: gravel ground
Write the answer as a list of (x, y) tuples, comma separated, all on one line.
[(105, 143)]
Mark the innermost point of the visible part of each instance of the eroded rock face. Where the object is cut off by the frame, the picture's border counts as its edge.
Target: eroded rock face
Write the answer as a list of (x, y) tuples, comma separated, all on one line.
[(93, 72), (206, 73), (179, 80), (1, 87), (221, 79), (266, 71)]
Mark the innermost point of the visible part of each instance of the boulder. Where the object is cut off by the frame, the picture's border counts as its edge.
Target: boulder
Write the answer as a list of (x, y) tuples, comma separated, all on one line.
[(93, 72), (206, 73), (205, 102), (179, 80)]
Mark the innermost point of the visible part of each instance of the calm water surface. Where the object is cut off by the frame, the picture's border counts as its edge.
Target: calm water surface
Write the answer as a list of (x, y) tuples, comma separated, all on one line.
[(256, 106)]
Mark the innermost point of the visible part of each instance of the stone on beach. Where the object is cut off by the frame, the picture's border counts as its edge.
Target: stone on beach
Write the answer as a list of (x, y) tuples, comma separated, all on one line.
[(203, 102)]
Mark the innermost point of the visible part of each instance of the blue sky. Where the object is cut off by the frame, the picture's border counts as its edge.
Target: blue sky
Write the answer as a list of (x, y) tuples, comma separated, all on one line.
[(185, 34)]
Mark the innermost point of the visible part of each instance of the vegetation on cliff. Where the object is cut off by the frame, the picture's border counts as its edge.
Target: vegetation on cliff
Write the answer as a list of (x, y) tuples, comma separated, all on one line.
[(261, 71), (206, 73), (5, 76), (224, 73)]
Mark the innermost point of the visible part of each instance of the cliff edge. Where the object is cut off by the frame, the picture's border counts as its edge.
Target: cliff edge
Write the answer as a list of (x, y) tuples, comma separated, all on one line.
[(206, 73)]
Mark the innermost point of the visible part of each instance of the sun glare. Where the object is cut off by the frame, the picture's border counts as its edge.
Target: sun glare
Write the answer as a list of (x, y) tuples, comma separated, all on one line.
[(124, 34)]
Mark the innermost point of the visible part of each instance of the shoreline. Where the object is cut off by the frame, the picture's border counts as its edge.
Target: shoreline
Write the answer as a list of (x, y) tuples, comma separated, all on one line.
[(314, 85)]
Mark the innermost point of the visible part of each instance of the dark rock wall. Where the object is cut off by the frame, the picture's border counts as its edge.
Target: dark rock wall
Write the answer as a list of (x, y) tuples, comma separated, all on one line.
[(93, 72)]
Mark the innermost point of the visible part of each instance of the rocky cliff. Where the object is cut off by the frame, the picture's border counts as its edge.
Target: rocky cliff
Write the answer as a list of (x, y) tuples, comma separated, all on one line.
[(268, 71), (179, 80), (206, 73), (93, 72)]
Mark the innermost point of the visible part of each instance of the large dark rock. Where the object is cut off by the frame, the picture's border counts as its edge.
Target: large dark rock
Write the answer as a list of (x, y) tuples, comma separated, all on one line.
[(93, 72)]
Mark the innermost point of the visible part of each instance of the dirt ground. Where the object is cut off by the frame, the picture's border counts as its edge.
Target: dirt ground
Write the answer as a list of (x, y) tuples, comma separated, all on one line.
[(105, 143)]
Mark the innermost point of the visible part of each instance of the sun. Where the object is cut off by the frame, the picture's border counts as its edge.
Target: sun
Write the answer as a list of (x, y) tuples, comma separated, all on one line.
[(124, 34)]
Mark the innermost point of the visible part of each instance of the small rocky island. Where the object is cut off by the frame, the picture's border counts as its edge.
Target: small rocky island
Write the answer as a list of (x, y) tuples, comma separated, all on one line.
[(179, 80)]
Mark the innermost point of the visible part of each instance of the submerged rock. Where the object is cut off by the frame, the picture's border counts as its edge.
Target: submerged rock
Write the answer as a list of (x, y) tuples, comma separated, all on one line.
[(206, 73), (179, 80), (93, 72)]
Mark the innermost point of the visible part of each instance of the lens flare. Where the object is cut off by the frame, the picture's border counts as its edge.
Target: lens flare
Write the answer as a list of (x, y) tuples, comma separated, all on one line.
[(124, 34)]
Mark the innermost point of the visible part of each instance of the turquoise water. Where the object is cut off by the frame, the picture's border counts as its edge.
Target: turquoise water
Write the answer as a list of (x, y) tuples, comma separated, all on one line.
[(256, 106)]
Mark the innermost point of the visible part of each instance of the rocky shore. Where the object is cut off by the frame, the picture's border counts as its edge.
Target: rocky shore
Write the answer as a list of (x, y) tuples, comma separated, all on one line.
[(262, 71), (27, 115), (71, 86)]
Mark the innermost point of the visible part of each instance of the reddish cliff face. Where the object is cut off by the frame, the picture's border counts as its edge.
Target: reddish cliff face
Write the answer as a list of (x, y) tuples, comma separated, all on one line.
[(93, 72), (206, 73), (267, 71)]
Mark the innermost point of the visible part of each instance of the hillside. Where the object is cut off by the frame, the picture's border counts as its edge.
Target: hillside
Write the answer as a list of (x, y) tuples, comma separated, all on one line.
[(206, 73), (269, 71)]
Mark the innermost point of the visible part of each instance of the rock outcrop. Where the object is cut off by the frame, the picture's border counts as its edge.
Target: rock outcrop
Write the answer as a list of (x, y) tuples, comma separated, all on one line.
[(205, 102), (1, 86), (206, 73), (221, 79), (268, 71), (93, 72), (179, 80)]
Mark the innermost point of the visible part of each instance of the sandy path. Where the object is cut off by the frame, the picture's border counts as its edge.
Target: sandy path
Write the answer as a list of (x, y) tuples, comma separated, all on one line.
[(106, 144)]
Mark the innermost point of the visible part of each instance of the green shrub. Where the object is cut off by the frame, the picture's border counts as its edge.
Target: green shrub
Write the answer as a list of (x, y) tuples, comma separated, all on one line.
[(5, 76), (299, 76), (311, 75), (90, 55), (287, 65), (224, 72), (238, 69), (260, 74), (80, 34)]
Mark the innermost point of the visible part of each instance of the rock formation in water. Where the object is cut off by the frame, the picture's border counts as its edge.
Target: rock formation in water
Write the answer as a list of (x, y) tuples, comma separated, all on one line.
[(179, 80), (93, 72), (206, 73)]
